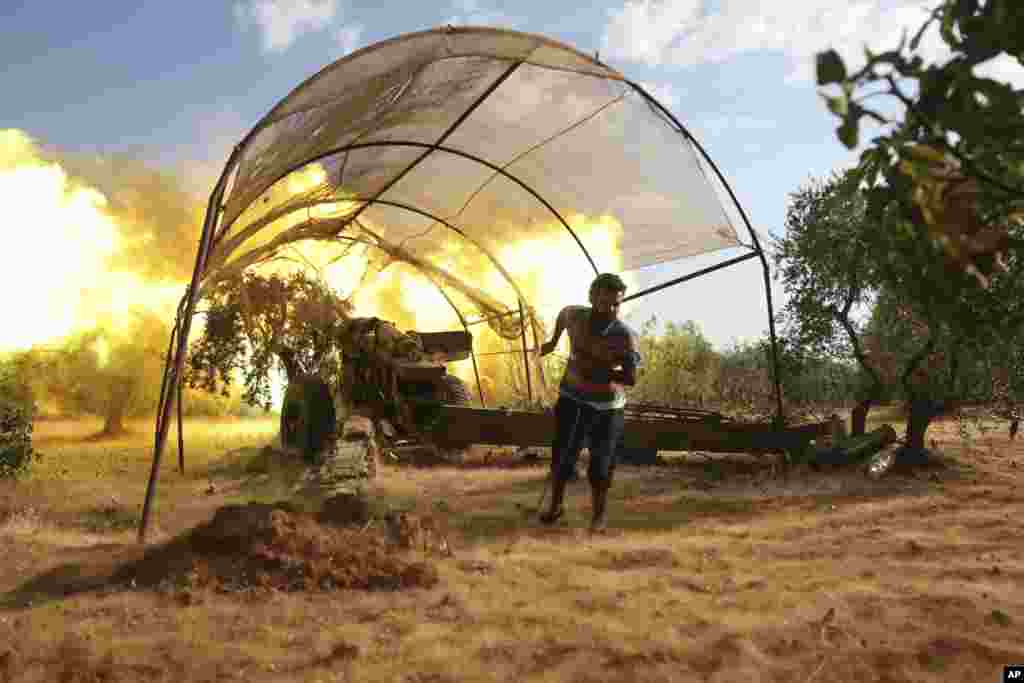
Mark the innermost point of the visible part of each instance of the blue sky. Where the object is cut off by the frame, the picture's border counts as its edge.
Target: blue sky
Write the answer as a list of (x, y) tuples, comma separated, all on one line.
[(179, 83)]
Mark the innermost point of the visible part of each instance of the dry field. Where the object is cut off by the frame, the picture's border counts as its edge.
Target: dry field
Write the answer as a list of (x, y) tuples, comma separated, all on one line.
[(725, 569)]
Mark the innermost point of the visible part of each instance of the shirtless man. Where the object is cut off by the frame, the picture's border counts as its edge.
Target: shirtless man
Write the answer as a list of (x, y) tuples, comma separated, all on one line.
[(603, 361)]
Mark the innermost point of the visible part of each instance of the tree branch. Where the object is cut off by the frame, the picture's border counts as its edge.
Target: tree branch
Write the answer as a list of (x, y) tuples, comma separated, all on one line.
[(915, 361), (967, 163), (954, 368), (862, 359)]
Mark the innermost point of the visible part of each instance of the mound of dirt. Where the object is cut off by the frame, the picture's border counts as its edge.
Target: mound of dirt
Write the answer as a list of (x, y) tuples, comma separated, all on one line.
[(276, 547)]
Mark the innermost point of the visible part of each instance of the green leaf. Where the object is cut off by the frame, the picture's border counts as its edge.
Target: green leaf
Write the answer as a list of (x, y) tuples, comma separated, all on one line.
[(838, 105), (848, 133), (830, 68), (1000, 617)]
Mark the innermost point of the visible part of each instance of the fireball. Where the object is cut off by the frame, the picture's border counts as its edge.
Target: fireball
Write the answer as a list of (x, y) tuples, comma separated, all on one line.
[(61, 238)]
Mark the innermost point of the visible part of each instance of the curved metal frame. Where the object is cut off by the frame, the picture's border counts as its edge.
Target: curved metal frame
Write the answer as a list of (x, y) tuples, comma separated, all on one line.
[(173, 368), (450, 150), (422, 212), (779, 417), (171, 383), (269, 118), (440, 141), (431, 280), (427, 214)]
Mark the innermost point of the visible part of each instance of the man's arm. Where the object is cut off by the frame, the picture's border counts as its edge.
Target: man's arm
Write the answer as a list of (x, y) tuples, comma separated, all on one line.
[(549, 346), (626, 376), (630, 360)]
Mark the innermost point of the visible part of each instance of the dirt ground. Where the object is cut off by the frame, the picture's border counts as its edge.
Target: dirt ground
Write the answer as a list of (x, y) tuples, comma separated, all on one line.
[(715, 569)]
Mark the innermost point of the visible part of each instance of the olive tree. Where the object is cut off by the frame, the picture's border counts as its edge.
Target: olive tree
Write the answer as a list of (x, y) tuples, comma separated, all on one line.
[(824, 260), (257, 324), (944, 183), (679, 365), (950, 160), (111, 372)]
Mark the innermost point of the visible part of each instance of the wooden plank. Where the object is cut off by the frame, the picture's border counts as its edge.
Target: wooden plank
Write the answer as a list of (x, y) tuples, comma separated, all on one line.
[(462, 425), (465, 425), (418, 371), (450, 346)]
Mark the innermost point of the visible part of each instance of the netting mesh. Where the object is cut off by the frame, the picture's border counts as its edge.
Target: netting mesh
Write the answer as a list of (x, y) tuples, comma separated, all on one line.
[(505, 169), (471, 155)]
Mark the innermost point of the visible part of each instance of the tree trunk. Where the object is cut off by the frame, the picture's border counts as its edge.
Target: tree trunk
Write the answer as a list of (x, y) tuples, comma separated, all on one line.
[(291, 366), (859, 417), (921, 413), (113, 421), (117, 408)]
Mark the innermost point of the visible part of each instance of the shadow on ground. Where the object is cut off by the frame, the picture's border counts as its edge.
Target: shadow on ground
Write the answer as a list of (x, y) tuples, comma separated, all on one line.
[(658, 499), (255, 547), (89, 570), (650, 499)]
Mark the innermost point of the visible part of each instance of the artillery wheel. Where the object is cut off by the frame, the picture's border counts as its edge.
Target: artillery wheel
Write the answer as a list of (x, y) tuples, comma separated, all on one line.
[(307, 416)]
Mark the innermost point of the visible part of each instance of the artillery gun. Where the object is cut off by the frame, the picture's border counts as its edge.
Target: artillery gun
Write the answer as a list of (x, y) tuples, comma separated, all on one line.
[(391, 386)]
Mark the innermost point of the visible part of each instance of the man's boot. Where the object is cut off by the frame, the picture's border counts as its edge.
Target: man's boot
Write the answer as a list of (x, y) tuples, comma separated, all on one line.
[(555, 510), (599, 494)]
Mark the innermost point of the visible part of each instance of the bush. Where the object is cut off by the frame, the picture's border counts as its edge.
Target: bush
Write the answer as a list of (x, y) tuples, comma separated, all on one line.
[(17, 413), (202, 403)]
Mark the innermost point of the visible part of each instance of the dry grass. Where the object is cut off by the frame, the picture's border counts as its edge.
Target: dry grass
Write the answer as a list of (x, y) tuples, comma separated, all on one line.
[(717, 569)]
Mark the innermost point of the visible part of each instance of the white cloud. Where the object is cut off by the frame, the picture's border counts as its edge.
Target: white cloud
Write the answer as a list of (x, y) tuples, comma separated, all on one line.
[(349, 38), (684, 32), (472, 13), (1002, 68), (643, 32), (283, 21)]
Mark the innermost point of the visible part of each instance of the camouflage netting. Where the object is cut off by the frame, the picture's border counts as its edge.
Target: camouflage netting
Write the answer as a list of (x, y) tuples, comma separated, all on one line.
[(347, 464), (470, 155), (443, 147)]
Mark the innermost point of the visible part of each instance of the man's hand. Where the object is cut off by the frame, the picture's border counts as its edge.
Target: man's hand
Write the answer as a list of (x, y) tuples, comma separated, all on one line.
[(624, 376), (547, 347)]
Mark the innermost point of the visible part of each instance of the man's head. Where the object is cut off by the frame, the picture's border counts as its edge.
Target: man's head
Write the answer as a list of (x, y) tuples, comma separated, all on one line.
[(606, 294)]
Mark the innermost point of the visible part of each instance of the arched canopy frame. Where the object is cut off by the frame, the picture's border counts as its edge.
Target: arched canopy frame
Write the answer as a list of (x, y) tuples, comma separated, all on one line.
[(342, 222), (428, 148), (311, 97)]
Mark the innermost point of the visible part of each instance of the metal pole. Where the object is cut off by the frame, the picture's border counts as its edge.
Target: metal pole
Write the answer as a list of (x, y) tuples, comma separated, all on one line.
[(526, 356), (161, 435), (490, 318), (695, 274), (430, 148), (780, 418), (162, 404), (438, 147), (181, 435), (212, 214), (536, 348), (476, 373)]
